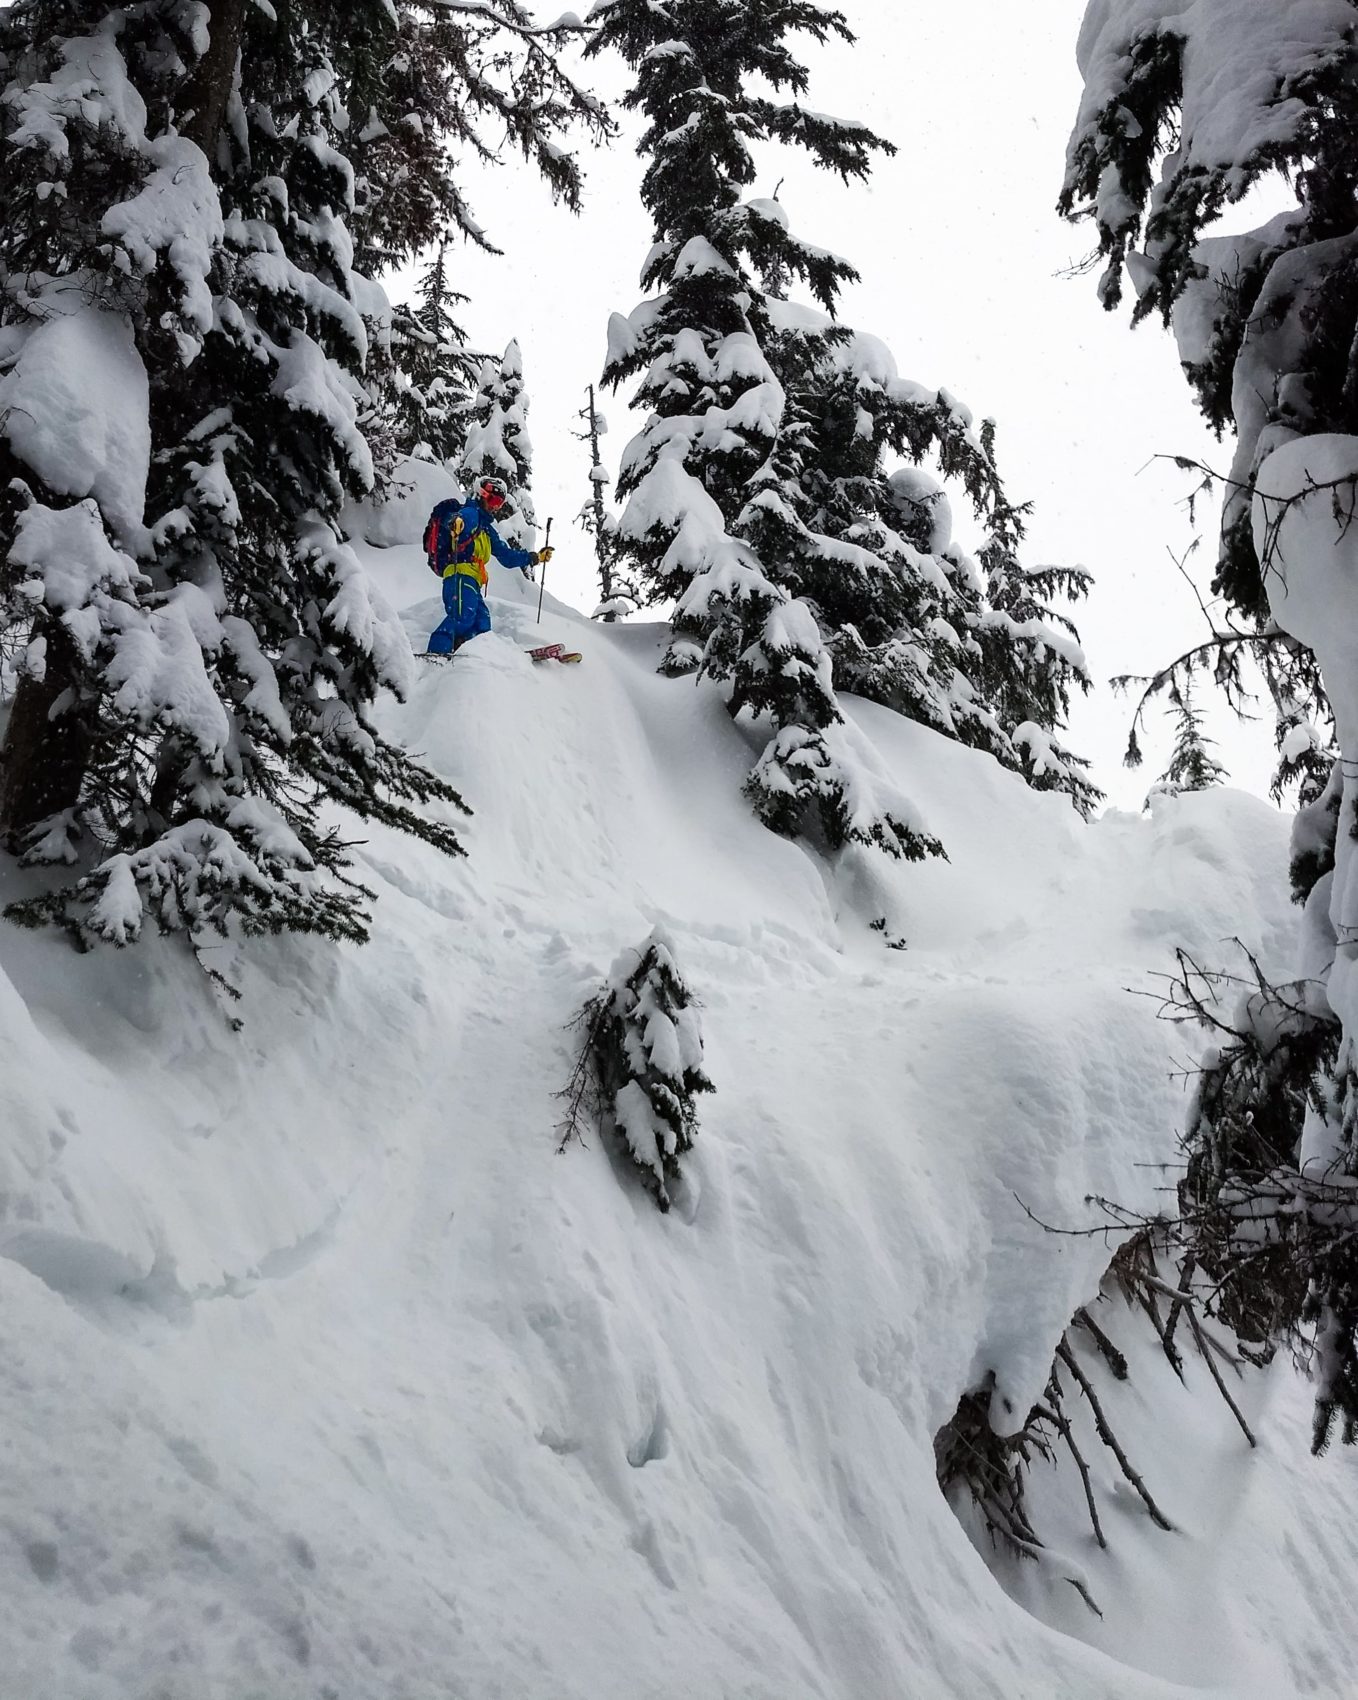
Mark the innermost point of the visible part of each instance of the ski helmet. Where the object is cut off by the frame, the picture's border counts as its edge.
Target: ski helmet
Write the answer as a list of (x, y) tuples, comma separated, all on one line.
[(492, 493)]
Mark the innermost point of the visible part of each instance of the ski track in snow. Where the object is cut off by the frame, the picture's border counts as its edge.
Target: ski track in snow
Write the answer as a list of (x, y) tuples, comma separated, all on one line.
[(325, 1377)]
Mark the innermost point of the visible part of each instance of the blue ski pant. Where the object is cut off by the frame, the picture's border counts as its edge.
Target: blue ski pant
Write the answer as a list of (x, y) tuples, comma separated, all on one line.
[(465, 615)]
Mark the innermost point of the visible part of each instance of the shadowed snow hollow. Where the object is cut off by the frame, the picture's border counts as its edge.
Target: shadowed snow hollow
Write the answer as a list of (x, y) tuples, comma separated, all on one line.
[(325, 1376)]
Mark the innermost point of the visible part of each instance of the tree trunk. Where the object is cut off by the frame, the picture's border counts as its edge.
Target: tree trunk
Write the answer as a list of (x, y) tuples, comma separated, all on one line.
[(209, 88), (42, 765)]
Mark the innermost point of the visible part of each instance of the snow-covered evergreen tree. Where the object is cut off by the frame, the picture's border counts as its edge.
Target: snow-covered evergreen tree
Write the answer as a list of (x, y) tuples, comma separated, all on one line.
[(969, 648), (1184, 109), (451, 84), (718, 407), (641, 1064), (192, 198), (498, 446), (757, 498), (430, 351), (434, 85), (184, 349), (1192, 766), (1262, 318)]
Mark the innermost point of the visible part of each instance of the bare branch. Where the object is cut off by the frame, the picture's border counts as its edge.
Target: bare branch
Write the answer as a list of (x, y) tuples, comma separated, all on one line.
[(1054, 1414), (1110, 1440)]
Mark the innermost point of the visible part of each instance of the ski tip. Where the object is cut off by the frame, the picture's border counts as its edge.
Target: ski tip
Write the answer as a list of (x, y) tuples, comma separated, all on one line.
[(553, 652)]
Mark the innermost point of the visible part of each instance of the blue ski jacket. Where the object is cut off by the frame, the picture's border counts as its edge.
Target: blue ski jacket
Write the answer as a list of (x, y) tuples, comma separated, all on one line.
[(475, 540)]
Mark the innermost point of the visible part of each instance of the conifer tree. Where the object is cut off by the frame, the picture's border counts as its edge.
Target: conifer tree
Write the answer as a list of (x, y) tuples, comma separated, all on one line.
[(757, 499), (717, 404), (1192, 766), (970, 649), (217, 644), (430, 351), (1262, 319), (1266, 321), (497, 444), (189, 340), (640, 1068), (455, 83)]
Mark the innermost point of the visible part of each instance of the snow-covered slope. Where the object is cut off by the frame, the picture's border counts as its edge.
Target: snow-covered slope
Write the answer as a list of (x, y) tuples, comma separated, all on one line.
[(322, 1375)]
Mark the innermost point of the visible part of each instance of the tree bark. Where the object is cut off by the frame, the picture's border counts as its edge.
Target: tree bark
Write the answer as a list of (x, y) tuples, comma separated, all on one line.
[(209, 88), (42, 765)]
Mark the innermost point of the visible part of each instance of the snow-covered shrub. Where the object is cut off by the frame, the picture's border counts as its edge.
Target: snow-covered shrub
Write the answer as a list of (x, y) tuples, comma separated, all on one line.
[(641, 1064)]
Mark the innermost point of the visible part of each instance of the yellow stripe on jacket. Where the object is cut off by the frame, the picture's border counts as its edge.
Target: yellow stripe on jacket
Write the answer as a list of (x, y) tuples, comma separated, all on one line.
[(476, 566)]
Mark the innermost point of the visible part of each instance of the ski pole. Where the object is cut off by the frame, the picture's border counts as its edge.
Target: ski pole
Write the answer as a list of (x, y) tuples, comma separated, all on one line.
[(542, 584)]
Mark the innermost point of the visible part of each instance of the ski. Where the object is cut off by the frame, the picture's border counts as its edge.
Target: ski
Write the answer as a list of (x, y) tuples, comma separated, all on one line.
[(548, 652), (553, 652)]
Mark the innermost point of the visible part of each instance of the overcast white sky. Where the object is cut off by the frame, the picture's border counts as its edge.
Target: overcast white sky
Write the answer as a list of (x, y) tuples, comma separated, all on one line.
[(961, 256)]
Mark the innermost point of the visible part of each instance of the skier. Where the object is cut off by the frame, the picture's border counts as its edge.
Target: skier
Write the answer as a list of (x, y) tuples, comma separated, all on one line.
[(461, 541)]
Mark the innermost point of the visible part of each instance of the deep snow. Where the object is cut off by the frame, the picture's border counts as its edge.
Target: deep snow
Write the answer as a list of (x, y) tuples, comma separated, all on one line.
[(324, 1376)]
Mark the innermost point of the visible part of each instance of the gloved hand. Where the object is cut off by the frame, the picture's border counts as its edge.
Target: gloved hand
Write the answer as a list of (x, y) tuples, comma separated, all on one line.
[(543, 556)]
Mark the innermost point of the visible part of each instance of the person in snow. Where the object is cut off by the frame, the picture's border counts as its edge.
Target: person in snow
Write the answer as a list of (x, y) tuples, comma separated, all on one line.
[(471, 541)]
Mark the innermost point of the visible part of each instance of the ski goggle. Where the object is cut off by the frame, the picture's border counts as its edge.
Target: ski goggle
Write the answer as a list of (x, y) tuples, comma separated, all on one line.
[(493, 493)]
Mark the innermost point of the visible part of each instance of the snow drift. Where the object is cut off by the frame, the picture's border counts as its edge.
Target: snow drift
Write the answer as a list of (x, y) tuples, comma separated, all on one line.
[(324, 1376)]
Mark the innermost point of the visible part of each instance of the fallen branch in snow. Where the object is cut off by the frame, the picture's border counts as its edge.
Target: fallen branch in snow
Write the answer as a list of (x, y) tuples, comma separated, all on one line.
[(1210, 1361), (1187, 1302), (968, 1451), (1112, 1356), (1110, 1440), (1055, 1415), (1176, 1308), (1135, 1270), (994, 1467), (580, 1093), (1123, 1220), (1131, 1268), (1084, 1594)]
